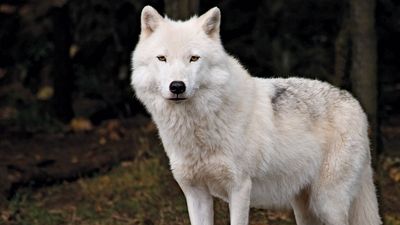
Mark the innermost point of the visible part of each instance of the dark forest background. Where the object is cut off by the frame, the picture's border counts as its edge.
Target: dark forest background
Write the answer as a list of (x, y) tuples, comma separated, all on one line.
[(63, 59), (67, 109)]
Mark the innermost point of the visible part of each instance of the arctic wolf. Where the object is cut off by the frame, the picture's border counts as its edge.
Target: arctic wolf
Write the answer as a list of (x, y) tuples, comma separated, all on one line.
[(249, 141)]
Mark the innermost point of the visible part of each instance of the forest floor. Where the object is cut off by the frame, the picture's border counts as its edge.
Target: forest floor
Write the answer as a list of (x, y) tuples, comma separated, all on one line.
[(136, 187)]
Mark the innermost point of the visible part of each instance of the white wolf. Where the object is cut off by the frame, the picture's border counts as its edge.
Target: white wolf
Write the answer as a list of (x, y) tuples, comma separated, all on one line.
[(249, 141)]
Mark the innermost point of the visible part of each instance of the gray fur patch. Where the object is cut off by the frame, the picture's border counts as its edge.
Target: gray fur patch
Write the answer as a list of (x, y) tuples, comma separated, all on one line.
[(285, 100), (306, 98), (279, 91)]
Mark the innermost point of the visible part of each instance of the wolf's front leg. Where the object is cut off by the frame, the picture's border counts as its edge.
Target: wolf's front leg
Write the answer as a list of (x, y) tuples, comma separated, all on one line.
[(239, 202), (200, 205)]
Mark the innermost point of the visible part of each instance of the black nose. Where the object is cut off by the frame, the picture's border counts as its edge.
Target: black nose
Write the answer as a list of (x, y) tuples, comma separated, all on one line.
[(177, 87)]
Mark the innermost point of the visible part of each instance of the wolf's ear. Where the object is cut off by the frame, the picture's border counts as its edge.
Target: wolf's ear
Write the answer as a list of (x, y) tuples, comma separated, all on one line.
[(210, 22), (150, 19)]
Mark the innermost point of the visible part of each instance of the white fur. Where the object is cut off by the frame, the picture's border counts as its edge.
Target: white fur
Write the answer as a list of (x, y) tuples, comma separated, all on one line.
[(249, 141)]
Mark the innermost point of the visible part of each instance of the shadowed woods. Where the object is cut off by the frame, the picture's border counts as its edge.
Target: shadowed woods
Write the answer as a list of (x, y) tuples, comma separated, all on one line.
[(77, 148)]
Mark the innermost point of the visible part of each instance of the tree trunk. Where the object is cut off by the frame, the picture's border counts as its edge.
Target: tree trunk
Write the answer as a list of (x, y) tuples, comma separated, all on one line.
[(62, 70), (342, 54), (363, 73), (181, 9)]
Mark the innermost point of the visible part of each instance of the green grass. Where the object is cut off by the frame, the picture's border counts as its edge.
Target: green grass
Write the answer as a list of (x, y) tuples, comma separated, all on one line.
[(392, 220), (26, 213), (138, 192)]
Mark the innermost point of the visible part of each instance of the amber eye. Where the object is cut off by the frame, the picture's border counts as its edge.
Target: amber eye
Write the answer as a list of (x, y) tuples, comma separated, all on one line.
[(194, 58), (162, 58)]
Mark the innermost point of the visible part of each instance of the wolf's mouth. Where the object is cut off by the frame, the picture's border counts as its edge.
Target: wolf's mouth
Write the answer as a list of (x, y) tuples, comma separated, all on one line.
[(177, 98)]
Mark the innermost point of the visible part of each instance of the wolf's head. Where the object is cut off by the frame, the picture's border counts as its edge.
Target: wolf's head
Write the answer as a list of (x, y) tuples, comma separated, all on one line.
[(175, 61)]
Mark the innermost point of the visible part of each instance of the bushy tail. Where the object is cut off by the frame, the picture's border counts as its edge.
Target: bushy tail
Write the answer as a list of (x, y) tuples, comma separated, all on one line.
[(364, 209)]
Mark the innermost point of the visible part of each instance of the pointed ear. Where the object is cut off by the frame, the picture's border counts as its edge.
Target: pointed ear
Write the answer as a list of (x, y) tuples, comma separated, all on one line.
[(210, 22), (150, 19)]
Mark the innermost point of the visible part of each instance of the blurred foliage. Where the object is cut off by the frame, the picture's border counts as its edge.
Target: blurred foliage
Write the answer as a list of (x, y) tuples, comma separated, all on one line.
[(282, 38), (101, 63), (271, 38)]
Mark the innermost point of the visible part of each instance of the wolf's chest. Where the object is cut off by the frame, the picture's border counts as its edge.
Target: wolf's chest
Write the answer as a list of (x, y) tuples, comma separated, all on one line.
[(198, 154), (195, 140), (210, 172)]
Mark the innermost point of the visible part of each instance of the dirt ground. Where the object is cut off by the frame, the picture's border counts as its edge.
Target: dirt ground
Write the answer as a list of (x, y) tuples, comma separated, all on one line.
[(117, 173), (43, 159)]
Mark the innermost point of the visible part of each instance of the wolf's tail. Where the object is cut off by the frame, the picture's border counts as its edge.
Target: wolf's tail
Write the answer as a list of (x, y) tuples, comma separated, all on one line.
[(364, 209)]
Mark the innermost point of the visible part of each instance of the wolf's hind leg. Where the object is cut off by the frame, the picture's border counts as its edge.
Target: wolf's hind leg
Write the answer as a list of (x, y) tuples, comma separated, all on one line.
[(339, 180), (331, 206)]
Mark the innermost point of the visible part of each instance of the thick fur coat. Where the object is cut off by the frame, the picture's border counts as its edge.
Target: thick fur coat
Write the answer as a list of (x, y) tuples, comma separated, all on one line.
[(252, 142)]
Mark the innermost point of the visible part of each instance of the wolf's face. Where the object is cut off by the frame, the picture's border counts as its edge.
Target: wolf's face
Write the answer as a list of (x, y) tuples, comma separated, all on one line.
[(175, 60)]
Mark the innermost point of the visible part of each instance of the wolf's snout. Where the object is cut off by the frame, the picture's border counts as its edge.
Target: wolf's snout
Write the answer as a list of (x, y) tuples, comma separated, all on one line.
[(177, 87)]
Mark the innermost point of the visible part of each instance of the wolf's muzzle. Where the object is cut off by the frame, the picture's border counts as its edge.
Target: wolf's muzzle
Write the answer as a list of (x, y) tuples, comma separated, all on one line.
[(177, 87)]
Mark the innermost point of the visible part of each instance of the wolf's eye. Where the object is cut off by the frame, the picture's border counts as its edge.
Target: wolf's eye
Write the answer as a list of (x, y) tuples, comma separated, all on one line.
[(194, 58), (162, 58)]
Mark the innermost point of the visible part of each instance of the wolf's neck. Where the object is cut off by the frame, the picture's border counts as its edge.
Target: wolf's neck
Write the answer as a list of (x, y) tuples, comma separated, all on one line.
[(189, 131)]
